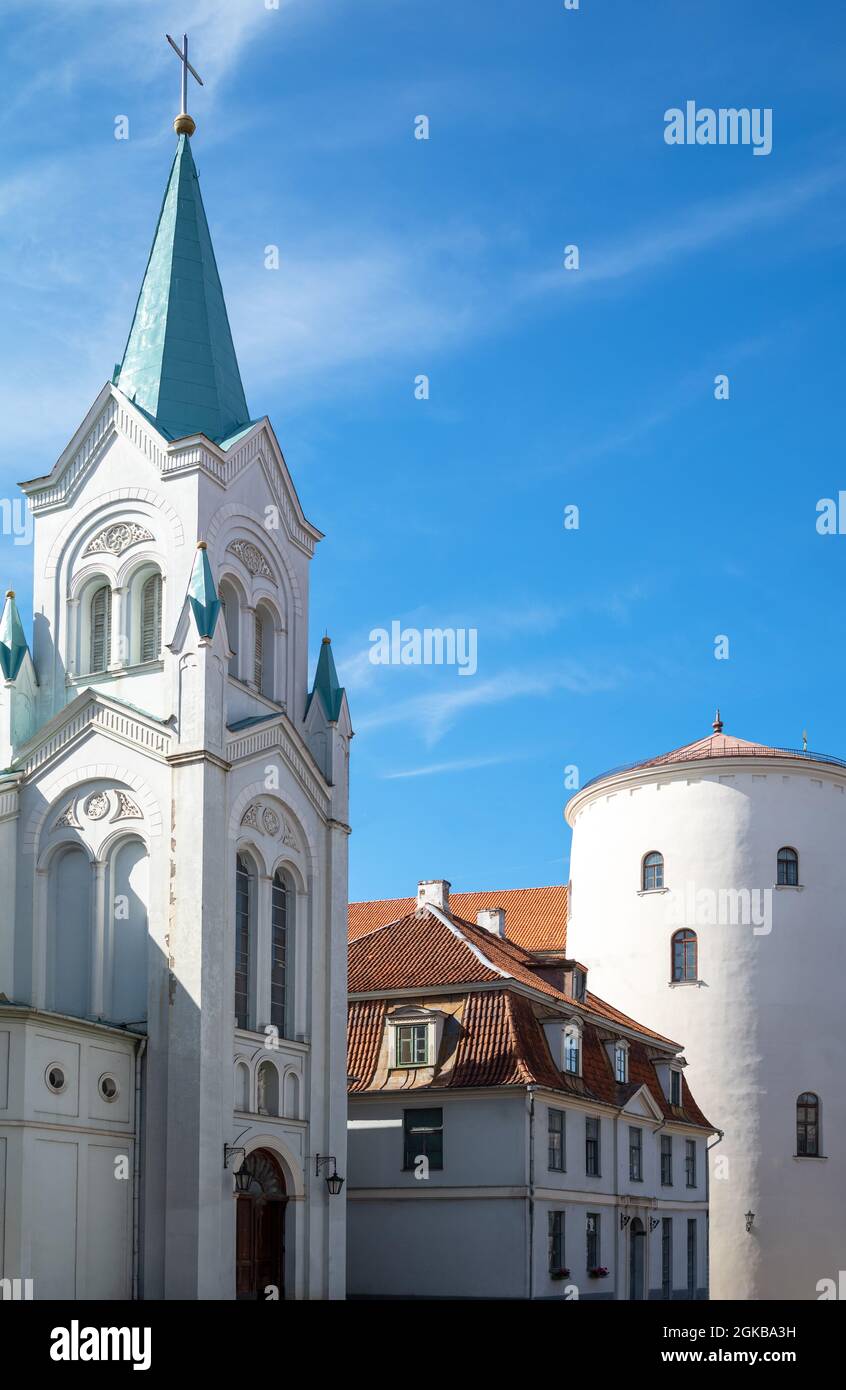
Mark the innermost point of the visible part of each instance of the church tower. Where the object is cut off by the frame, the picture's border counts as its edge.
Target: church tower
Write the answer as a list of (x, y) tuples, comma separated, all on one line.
[(173, 838)]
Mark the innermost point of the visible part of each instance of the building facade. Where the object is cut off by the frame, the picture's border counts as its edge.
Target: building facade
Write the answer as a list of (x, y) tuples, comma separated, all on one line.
[(173, 839), (511, 1134), (707, 890)]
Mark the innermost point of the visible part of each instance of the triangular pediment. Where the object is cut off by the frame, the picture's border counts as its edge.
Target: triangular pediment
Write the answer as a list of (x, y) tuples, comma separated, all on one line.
[(93, 712), (642, 1105)]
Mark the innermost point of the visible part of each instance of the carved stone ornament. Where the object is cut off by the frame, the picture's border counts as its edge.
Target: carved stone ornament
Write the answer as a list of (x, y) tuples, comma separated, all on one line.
[(127, 809), (115, 539), (97, 806), (250, 817), (68, 817), (251, 557), (270, 821), (266, 820)]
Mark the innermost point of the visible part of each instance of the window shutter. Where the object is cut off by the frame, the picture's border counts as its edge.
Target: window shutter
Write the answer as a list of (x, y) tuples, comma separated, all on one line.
[(101, 629), (151, 618)]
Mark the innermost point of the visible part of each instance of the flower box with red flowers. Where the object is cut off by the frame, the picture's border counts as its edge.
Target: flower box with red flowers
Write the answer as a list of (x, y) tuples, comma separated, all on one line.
[(600, 1272)]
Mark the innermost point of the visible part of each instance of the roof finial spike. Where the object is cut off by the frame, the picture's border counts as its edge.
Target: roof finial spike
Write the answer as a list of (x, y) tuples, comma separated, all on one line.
[(717, 725), (184, 124)]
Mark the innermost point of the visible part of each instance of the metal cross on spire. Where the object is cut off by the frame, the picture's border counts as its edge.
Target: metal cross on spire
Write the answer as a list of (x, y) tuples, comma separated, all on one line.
[(184, 125)]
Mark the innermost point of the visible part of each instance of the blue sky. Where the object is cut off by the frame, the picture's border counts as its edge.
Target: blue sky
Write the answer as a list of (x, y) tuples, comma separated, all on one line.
[(547, 387)]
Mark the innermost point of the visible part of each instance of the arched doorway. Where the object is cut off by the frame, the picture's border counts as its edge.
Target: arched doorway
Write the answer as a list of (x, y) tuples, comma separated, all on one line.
[(637, 1254), (260, 1201)]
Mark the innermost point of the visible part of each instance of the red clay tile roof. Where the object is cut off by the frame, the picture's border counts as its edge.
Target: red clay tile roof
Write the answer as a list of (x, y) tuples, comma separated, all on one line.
[(501, 1044), (365, 1025), (720, 746), (534, 917), (419, 951)]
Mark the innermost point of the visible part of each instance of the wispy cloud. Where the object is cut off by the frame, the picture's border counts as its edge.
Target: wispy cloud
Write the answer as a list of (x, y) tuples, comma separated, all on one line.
[(458, 765)]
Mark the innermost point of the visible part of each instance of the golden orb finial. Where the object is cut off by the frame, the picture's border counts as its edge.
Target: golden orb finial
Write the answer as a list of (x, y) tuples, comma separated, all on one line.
[(184, 124)]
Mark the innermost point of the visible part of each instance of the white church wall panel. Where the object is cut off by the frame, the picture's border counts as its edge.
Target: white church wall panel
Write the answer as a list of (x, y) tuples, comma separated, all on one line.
[(53, 1195)]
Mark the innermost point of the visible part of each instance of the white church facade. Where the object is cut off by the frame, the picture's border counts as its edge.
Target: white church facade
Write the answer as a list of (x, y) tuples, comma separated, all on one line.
[(173, 840)]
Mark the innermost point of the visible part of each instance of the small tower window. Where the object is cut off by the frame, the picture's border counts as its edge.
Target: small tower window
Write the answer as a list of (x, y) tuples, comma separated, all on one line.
[(100, 653), (788, 868), (573, 1049), (684, 957), (808, 1125), (151, 618), (652, 876)]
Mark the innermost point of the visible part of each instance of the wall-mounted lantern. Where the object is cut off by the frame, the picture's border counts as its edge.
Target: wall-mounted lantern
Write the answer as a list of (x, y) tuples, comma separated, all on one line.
[(749, 1218), (334, 1181)]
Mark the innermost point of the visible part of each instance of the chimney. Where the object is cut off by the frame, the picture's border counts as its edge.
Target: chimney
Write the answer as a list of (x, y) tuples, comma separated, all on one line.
[(492, 919), (434, 891)]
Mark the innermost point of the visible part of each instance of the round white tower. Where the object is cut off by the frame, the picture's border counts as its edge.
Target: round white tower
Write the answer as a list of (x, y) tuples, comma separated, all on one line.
[(708, 896)]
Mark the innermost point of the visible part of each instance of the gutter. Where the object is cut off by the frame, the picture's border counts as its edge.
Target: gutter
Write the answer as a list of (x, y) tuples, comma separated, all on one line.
[(136, 1175)]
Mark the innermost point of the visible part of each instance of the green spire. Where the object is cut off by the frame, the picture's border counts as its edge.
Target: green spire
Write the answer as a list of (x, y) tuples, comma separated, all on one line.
[(326, 683), (202, 594), (13, 647), (179, 365)]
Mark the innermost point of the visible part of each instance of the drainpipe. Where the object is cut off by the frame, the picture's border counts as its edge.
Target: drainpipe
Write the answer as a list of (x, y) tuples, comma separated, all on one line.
[(136, 1174), (530, 1103), (708, 1147)]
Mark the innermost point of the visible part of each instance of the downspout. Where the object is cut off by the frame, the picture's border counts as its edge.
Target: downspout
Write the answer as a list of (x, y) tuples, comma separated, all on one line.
[(136, 1173), (619, 1273), (708, 1147), (530, 1101)]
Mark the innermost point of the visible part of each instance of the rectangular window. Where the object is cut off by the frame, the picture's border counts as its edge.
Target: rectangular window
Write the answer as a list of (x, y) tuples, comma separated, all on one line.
[(243, 894), (572, 1040), (556, 1241), (666, 1160), (424, 1137), (557, 1120), (592, 1133), (412, 1044), (691, 1258), (675, 1088), (621, 1059), (592, 1228), (690, 1162), (667, 1257), (635, 1154), (279, 955)]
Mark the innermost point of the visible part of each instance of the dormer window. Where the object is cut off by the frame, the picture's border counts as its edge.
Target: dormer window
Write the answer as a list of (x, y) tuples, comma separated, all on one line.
[(579, 984), (573, 1049), (413, 1038), (621, 1062), (675, 1087)]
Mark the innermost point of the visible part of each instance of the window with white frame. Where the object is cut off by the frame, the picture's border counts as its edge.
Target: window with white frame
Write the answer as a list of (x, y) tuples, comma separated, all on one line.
[(573, 1049), (675, 1087), (621, 1061), (412, 1039)]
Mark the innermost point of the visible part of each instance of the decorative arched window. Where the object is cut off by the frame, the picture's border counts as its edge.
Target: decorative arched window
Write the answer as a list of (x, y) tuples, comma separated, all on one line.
[(263, 651), (684, 956), (788, 868), (69, 938), (652, 873), (151, 618), (281, 901), (267, 1089), (573, 1049), (127, 933), (242, 1086), (100, 644), (244, 900), (232, 618), (808, 1125)]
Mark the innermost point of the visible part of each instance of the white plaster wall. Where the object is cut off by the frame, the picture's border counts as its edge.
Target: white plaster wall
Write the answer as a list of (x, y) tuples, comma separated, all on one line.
[(765, 1023)]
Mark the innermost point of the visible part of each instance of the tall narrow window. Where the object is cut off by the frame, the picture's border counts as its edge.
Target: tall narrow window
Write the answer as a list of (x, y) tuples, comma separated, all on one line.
[(667, 1257), (232, 617), (808, 1125), (691, 1258), (243, 908), (592, 1155), (258, 654), (653, 872), (684, 962), (557, 1119), (100, 653), (690, 1162), (635, 1154), (573, 1050), (279, 954), (556, 1241), (621, 1063), (788, 868), (666, 1160), (675, 1087), (151, 618), (592, 1232)]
